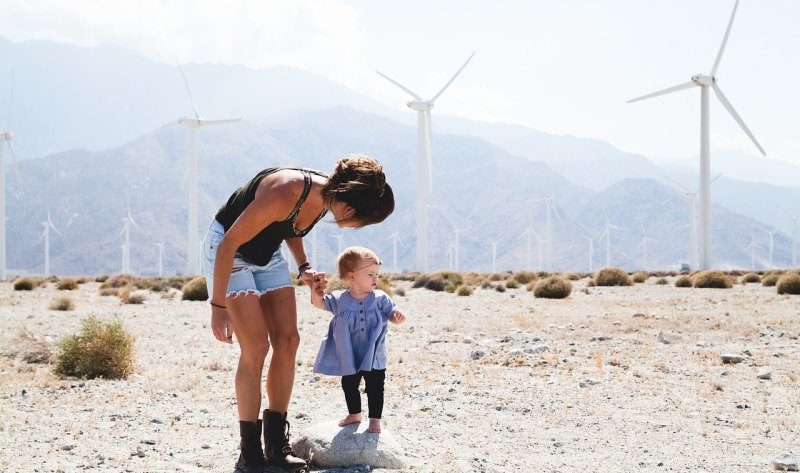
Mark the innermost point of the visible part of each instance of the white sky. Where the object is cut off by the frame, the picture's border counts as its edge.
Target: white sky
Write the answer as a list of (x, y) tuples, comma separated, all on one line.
[(564, 67)]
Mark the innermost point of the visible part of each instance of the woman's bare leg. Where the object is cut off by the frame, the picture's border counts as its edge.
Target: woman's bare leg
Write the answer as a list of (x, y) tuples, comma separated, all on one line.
[(281, 316), (250, 329)]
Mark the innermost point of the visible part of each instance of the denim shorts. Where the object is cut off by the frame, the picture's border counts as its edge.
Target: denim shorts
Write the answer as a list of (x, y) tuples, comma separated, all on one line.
[(246, 277)]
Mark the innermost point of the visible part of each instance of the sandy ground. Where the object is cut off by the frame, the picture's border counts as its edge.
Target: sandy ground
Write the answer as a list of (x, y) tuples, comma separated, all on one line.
[(618, 379)]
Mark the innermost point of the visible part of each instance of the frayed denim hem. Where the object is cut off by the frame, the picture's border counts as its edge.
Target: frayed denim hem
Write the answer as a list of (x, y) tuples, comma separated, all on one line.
[(255, 292)]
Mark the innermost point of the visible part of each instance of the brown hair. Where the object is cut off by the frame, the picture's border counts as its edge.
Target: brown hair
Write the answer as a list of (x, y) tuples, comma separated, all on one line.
[(355, 257), (359, 182)]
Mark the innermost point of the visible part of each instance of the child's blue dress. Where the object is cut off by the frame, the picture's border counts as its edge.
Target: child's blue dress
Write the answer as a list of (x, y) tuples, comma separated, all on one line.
[(356, 339)]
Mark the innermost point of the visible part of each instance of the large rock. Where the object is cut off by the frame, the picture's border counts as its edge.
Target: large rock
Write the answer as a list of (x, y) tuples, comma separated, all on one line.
[(328, 445)]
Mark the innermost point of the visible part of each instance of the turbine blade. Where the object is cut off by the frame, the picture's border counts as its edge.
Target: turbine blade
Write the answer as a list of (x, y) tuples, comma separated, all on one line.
[(676, 88), (717, 177), (10, 100), (724, 40), (16, 167), (454, 77), (676, 183), (736, 117), (189, 90), (222, 121), (399, 85)]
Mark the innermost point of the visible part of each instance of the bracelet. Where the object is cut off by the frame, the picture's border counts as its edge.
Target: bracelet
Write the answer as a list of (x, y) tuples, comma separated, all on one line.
[(303, 267), (217, 305)]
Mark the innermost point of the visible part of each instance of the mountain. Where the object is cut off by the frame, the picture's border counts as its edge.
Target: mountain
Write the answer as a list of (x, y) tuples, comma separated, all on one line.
[(478, 186)]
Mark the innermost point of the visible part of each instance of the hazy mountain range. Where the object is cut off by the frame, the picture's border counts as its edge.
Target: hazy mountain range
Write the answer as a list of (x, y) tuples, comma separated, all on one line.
[(101, 125)]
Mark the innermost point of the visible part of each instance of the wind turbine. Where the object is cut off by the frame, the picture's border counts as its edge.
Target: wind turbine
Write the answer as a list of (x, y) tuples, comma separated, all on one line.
[(705, 82), (339, 242), (395, 237), (591, 250), (6, 137), (424, 161), (692, 195), (771, 234), (643, 244), (794, 236), (193, 125), (160, 259), (752, 247), (126, 247), (494, 254), (607, 234), (48, 224)]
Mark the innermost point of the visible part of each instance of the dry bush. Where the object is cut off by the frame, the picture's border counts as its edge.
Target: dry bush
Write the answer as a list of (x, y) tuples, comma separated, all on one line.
[(449, 288), (406, 276), (751, 278), (195, 290), (400, 291), (524, 277), (101, 279), (385, 284), (464, 290), (770, 279), (612, 277), (67, 285), (438, 280), (109, 291), (683, 281), (335, 283), (512, 284), (662, 281), (30, 349), (24, 284), (640, 277), (789, 284), (553, 287), (573, 276), (496, 277), (531, 286), (62, 303), (100, 350), (486, 284), (135, 299), (712, 279), (501, 287), (117, 280)]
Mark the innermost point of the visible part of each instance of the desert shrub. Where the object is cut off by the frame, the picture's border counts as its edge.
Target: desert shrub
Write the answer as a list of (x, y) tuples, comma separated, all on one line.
[(512, 284), (530, 286), (789, 283), (449, 288), (100, 350), (195, 290), (24, 284), (67, 285), (524, 277), (335, 283), (770, 279), (400, 291), (406, 276), (486, 284), (501, 287), (101, 279), (711, 279), (177, 282), (683, 281), (142, 283), (640, 277), (573, 276), (385, 284), (553, 287), (612, 277), (62, 303), (109, 291), (751, 278), (118, 280), (134, 299), (464, 290), (662, 281), (591, 283), (438, 280), (496, 277), (83, 280)]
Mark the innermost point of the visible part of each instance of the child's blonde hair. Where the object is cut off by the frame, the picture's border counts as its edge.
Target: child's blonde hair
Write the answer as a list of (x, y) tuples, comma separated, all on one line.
[(355, 257)]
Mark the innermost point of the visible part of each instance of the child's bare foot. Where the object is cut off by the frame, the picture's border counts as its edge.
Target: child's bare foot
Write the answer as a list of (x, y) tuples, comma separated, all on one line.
[(350, 419), (374, 426)]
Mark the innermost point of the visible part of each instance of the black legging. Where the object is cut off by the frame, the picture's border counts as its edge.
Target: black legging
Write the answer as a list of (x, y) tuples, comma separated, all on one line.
[(374, 381)]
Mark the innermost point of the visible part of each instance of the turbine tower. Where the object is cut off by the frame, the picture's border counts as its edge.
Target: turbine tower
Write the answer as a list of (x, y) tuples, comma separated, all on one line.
[(494, 254), (771, 234), (591, 250), (48, 224), (424, 162), (752, 247), (6, 137), (643, 245), (607, 234), (706, 82), (193, 125), (794, 237), (160, 259)]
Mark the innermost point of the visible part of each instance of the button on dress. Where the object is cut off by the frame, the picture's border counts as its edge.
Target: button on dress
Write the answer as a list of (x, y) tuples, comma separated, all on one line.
[(356, 339)]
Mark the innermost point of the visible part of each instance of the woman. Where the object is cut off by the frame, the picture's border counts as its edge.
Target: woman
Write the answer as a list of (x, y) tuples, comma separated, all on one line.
[(251, 291)]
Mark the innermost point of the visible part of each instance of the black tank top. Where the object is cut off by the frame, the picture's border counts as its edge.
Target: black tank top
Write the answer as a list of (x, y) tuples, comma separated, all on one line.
[(260, 248)]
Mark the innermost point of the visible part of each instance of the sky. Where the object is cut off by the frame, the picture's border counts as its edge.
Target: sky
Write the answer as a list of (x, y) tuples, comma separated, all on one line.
[(562, 67)]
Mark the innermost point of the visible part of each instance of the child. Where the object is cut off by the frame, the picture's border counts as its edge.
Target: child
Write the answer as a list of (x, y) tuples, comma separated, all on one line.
[(355, 346)]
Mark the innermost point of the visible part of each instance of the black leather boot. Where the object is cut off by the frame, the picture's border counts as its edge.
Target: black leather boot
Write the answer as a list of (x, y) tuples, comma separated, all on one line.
[(251, 458), (277, 450)]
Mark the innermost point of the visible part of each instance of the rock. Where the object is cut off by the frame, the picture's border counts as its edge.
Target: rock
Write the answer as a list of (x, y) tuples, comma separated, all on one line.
[(588, 382), (536, 349), (764, 374), (329, 445), (515, 352), (601, 338), (731, 358), (667, 338), (479, 353), (784, 462), (468, 340)]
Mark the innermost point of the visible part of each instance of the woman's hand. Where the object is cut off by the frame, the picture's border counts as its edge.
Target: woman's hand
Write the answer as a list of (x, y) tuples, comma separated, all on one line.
[(221, 325), (314, 279)]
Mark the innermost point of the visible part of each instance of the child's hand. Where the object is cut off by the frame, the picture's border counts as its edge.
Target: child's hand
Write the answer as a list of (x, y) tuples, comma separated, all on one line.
[(397, 318), (319, 283)]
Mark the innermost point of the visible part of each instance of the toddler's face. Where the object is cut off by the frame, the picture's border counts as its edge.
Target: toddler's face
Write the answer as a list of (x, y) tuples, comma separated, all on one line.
[(365, 278)]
